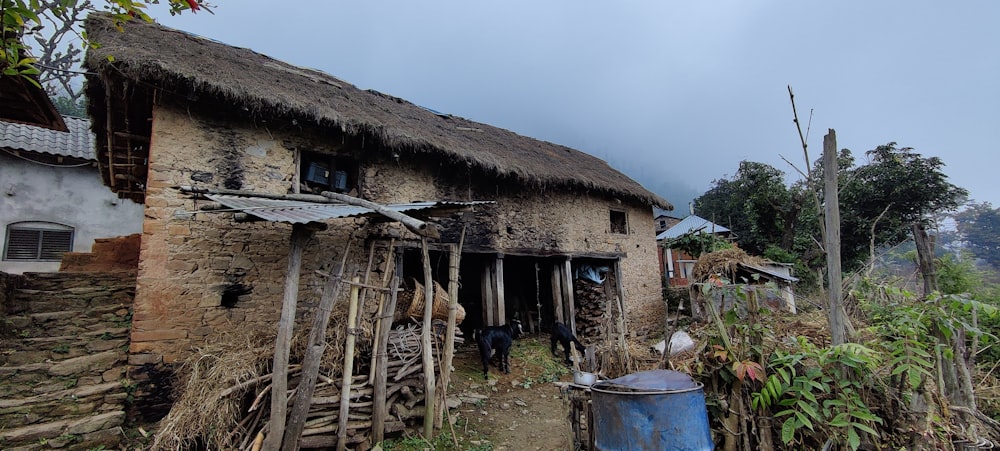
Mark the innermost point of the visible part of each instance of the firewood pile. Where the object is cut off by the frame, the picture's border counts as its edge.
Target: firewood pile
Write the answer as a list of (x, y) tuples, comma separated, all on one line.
[(404, 395), (591, 310)]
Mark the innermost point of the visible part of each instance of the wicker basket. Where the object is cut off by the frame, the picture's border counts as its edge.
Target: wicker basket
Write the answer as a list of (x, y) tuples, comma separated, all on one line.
[(410, 303)]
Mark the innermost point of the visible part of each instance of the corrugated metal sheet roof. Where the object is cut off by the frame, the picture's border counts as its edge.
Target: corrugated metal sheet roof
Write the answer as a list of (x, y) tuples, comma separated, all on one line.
[(770, 272), (298, 212), (78, 143), (690, 224)]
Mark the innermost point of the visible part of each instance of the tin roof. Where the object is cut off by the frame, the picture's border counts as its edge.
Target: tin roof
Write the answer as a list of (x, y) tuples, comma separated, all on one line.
[(300, 212), (691, 224), (77, 143)]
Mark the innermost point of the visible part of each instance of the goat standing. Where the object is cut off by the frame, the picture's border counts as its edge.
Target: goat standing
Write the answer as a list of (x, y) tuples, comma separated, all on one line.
[(499, 339), (561, 334)]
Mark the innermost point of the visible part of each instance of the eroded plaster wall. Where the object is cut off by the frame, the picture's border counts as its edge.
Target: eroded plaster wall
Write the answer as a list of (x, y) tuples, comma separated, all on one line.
[(202, 273), (540, 221), (189, 259)]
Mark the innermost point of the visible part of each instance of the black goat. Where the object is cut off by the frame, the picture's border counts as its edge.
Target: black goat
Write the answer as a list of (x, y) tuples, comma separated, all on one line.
[(499, 339), (562, 334)]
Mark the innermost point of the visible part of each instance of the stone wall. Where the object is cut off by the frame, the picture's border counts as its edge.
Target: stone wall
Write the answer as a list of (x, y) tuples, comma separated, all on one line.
[(201, 273), (63, 361)]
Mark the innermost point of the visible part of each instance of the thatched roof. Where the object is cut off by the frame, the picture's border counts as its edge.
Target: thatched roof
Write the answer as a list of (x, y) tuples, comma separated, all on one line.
[(724, 262), (192, 66)]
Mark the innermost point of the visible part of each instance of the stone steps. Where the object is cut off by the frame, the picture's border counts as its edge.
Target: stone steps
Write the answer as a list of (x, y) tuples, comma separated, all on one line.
[(63, 355)]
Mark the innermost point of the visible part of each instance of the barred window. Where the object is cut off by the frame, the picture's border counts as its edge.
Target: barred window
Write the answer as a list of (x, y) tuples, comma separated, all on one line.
[(37, 241)]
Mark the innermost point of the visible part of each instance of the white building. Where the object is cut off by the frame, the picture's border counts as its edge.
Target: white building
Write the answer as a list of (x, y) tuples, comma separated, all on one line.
[(52, 199)]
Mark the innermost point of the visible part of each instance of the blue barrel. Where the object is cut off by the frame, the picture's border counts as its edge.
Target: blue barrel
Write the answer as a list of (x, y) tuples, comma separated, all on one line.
[(650, 410)]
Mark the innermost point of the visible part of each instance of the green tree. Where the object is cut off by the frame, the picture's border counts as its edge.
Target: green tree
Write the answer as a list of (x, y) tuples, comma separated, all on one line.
[(879, 201), (34, 32), (896, 189), (979, 227), (756, 205), (70, 107)]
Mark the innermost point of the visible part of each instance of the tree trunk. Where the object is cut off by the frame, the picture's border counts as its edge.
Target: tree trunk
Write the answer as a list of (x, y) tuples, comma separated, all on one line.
[(925, 258)]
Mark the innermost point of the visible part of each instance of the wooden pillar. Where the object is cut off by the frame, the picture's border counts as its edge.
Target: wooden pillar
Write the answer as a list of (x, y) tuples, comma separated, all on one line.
[(282, 344), (567, 287), (619, 286), (501, 302), (557, 297), (489, 310), (311, 361)]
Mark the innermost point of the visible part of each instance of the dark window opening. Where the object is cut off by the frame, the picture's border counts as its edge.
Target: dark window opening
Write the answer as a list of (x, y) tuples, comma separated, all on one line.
[(319, 172), (619, 222), (37, 242)]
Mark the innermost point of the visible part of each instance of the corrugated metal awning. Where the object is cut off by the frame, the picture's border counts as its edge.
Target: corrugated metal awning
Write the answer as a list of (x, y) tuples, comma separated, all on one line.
[(300, 212), (769, 272)]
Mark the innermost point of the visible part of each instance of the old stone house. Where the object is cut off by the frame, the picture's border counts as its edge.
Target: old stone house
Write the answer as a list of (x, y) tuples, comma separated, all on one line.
[(52, 200), (176, 110)]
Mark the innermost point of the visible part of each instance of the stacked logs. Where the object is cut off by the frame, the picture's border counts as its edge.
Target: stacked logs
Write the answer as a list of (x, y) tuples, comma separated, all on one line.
[(404, 393), (591, 307)]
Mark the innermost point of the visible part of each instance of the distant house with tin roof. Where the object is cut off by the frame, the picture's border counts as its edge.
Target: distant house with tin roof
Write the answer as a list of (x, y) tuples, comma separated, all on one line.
[(52, 198), (675, 264)]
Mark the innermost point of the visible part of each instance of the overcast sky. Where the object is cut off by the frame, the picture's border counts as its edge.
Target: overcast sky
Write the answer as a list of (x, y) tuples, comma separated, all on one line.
[(674, 94)]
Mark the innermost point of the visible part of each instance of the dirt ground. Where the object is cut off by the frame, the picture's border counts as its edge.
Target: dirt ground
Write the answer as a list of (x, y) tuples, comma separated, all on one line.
[(522, 410)]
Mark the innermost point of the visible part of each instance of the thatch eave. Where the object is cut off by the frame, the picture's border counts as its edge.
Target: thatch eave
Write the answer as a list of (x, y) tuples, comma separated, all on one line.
[(191, 67)]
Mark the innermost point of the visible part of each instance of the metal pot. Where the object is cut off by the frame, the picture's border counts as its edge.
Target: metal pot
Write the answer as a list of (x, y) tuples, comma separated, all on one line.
[(584, 378)]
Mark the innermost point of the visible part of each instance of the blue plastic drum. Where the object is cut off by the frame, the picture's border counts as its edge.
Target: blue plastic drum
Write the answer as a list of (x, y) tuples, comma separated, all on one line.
[(651, 410)]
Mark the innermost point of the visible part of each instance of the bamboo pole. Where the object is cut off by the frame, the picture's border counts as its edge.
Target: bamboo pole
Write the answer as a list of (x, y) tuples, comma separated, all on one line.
[(313, 356), (376, 336), (425, 340), (282, 344), (345, 389), (380, 412), (454, 262)]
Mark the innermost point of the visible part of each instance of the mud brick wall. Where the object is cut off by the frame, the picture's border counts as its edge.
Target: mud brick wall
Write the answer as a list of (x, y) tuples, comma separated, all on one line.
[(543, 220), (63, 361), (201, 273)]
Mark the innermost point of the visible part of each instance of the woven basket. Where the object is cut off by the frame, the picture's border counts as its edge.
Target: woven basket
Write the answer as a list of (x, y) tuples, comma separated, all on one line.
[(410, 303)]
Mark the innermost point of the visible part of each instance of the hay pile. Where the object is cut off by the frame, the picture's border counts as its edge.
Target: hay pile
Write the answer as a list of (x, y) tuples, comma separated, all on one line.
[(217, 376), (724, 262)]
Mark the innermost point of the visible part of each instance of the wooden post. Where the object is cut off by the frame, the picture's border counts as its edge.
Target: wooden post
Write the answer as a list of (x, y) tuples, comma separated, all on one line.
[(311, 361), (501, 302), (380, 412), (282, 344), (620, 288), (489, 312), (425, 340), (345, 384), (454, 263), (568, 302), (835, 313), (557, 299)]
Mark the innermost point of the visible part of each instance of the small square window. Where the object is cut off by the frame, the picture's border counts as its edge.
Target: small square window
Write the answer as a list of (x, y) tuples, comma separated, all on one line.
[(320, 172), (619, 222)]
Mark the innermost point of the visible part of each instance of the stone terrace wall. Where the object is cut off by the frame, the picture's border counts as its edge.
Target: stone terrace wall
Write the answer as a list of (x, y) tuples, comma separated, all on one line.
[(63, 361)]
